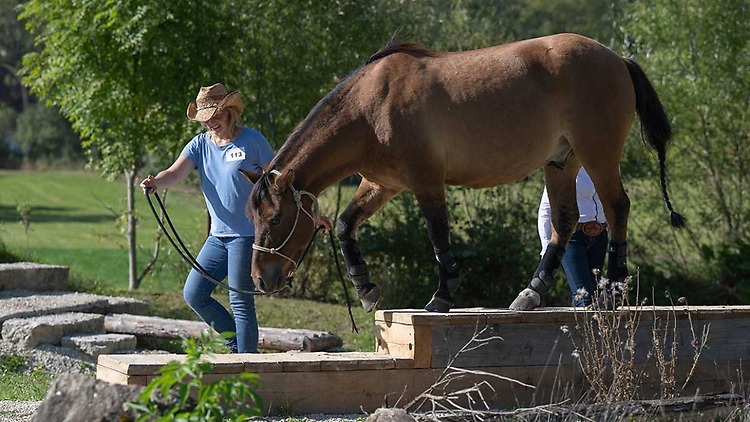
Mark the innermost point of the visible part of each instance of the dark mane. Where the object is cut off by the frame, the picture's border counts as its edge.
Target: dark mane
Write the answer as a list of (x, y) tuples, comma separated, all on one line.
[(411, 49), (261, 186)]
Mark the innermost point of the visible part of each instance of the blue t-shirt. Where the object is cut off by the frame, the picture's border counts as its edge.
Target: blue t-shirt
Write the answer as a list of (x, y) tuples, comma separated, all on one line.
[(225, 189)]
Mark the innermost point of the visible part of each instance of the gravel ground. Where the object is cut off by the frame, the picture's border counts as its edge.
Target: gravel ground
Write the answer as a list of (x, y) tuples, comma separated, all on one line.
[(54, 360)]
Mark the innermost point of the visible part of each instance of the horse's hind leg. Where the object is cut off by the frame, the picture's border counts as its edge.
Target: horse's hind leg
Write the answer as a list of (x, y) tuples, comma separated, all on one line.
[(616, 208), (561, 188), (367, 200)]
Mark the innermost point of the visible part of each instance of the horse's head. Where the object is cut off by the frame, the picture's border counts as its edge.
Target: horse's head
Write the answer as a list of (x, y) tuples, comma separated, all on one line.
[(284, 220)]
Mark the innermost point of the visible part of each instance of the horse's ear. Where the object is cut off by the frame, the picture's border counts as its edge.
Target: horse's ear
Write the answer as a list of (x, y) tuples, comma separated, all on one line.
[(251, 175), (283, 180)]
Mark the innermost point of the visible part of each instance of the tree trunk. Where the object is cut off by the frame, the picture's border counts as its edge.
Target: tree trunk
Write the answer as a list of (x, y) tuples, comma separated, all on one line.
[(133, 279)]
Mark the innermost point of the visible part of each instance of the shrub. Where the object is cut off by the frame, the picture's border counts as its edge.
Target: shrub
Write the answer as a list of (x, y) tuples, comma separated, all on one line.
[(180, 394)]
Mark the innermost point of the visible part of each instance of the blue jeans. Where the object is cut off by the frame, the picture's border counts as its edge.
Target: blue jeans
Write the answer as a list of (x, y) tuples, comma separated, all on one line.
[(583, 254), (226, 257)]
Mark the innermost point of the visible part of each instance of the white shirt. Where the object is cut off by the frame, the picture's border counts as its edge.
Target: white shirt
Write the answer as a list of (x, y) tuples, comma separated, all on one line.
[(589, 207)]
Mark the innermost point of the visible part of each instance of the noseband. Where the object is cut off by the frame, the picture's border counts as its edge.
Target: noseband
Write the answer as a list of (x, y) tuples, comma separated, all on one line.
[(298, 194)]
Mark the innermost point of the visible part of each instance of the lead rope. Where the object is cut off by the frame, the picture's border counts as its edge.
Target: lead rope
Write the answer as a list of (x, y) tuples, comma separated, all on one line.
[(185, 252), (343, 283)]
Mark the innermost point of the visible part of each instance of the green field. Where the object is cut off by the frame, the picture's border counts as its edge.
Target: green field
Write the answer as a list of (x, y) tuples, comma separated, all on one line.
[(73, 220)]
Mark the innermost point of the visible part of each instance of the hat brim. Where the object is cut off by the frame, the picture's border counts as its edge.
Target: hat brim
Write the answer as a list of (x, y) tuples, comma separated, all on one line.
[(231, 100)]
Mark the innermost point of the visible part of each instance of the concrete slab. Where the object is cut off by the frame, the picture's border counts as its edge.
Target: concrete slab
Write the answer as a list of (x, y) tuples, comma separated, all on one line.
[(97, 344), (33, 276), (30, 332), (23, 304)]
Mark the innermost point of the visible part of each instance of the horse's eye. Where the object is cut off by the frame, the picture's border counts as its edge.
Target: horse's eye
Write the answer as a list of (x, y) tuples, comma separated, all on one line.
[(276, 220)]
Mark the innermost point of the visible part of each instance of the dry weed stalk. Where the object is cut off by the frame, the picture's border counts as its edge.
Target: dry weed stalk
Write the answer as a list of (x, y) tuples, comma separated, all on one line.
[(667, 363), (605, 346), (443, 401)]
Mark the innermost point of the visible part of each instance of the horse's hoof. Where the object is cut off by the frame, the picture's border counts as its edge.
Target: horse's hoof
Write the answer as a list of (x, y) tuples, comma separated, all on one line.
[(438, 304), (369, 295), (527, 300)]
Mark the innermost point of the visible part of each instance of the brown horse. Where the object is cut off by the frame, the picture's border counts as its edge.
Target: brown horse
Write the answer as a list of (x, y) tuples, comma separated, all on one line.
[(417, 119)]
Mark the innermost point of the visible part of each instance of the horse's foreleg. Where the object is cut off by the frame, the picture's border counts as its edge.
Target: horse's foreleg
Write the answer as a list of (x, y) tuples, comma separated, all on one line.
[(435, 213), (561, 189), (368, 199)]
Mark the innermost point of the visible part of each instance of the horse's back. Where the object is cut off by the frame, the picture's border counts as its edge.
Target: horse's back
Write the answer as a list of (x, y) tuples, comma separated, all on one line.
[(493, 115)]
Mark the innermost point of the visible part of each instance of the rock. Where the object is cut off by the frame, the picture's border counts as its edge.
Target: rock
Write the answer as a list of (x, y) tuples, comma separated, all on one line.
[(33, 276), (24, 304), (75, 397), (100, 344), (126, 305), (30, 332), (388, 414)]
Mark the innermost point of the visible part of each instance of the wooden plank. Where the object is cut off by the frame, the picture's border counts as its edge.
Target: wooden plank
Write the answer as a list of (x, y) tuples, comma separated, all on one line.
[(396, 316), (283, 339), (351, 391), (345, 391), (406, 342), (538, 344), (264, 363), (552, 314), (518, 344)]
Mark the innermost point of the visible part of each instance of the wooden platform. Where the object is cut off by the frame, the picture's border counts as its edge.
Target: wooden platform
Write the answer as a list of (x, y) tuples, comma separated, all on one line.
[(414, 348)]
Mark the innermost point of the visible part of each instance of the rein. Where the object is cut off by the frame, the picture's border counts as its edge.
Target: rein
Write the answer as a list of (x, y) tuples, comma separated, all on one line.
[(183, 251)]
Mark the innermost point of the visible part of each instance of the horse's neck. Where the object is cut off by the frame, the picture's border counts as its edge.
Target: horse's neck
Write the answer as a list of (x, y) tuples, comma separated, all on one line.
[(321, 160)]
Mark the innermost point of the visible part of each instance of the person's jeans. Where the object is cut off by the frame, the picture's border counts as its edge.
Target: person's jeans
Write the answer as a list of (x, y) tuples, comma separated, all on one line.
[(583, 254), (228, 257)]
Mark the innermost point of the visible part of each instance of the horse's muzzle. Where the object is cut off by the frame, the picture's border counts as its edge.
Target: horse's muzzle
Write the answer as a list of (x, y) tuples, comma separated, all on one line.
[(268, 286)]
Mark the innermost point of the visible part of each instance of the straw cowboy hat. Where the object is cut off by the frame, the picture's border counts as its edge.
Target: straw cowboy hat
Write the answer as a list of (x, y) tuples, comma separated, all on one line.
[(211, 99)]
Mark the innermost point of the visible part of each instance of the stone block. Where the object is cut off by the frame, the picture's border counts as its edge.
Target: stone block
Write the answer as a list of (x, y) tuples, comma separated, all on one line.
[(49, 329), (33, 276), (97, 344)]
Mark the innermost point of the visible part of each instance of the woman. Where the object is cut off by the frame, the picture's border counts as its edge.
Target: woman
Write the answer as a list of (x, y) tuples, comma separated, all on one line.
[(218, 154), (588, 244)]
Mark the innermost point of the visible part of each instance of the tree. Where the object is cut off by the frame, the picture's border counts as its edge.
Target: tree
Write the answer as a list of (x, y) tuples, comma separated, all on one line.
[(14, 42), (698, 55), (121, 71), (43, 133)]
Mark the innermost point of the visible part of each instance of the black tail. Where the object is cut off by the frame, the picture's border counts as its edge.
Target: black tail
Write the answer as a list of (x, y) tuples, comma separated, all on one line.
[(655, 128)]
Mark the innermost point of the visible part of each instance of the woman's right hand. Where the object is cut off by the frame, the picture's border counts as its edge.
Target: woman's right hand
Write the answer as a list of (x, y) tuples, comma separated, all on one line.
[(148, 185)]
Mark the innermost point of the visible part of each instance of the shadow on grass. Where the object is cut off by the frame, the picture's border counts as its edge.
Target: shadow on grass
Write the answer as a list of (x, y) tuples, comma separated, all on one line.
[(42, 214)]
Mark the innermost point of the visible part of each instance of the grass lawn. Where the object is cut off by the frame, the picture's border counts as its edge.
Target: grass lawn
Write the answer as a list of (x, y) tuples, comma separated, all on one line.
[(72, 219)]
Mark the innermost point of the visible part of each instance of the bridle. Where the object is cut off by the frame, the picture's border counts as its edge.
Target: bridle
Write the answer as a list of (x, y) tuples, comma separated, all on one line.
[(313, 214)]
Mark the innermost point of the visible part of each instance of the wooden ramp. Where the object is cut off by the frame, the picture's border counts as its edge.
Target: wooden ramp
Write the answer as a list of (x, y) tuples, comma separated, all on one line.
[(525, 359)]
